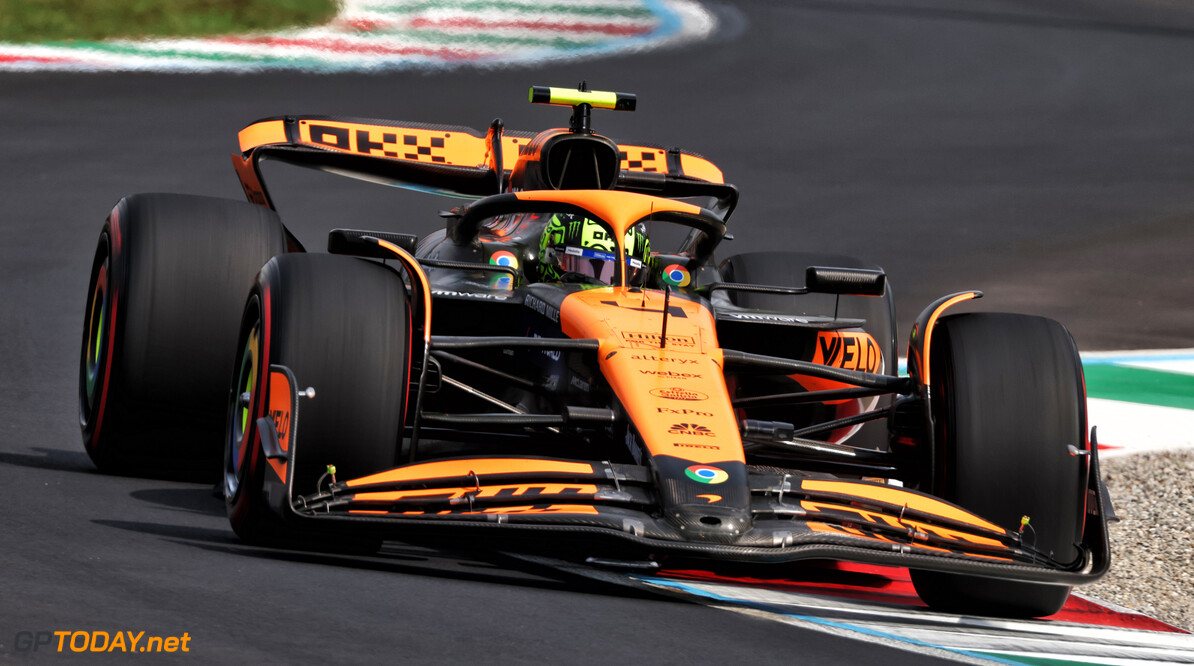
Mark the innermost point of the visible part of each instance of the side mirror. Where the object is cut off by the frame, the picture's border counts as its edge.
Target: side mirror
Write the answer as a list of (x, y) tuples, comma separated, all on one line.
[(351, 241), (851, 281)]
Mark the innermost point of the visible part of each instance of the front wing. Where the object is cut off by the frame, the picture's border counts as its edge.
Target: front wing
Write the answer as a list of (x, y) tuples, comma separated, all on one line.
[(575, 508)]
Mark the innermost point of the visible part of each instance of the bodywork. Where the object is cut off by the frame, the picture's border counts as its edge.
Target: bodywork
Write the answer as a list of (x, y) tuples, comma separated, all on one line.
[(616, 422)]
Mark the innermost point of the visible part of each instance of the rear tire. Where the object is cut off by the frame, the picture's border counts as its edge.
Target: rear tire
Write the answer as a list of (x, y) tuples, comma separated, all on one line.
[(168, 279), (1008, 399), (341, 325)]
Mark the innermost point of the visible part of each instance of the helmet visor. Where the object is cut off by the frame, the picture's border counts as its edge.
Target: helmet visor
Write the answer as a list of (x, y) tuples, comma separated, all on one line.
[(593, 264), (598, 265)]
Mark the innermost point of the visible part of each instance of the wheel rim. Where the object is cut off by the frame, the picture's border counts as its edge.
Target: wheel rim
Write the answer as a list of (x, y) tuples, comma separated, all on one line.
[(97, 322), (242, 400), (96, 332)]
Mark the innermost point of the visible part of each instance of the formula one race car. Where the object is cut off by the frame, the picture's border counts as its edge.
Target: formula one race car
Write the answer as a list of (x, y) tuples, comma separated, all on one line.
[(565, 366)]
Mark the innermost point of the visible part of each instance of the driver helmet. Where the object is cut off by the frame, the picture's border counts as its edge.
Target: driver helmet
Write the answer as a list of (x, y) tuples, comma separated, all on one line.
[(574, 248)]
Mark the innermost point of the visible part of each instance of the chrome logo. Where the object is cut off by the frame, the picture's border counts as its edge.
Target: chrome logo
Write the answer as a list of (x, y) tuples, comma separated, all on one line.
[(504, 258), (676, 275), (502, 281), (706, 474)]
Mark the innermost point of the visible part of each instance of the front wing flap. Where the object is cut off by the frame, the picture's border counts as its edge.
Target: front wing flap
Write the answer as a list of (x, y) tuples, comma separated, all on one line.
[(795, 516)]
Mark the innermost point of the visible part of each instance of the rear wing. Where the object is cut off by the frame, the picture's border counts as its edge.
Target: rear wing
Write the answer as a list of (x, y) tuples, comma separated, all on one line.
[(459, 161)]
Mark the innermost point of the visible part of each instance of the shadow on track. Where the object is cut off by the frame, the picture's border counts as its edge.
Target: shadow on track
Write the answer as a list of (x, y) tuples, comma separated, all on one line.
[(194, 500), (61, 460), (398, 558)]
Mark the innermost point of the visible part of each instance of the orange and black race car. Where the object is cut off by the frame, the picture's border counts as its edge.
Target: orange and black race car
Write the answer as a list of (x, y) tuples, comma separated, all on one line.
[(566, 366)]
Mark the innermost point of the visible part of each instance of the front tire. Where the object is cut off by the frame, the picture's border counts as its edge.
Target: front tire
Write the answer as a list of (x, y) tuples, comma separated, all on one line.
[(168, 278), (341, 325), (1008, 399)]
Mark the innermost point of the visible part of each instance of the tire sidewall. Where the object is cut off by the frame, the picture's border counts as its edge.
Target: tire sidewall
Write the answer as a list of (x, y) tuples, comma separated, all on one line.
[(107, 272)]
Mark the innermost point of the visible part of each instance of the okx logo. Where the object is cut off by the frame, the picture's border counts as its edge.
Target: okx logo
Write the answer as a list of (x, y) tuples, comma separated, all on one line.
[(690, 429)]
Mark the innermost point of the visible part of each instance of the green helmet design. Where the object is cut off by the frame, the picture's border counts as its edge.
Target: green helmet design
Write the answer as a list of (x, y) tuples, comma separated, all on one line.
[(640, 265), (576, 248)]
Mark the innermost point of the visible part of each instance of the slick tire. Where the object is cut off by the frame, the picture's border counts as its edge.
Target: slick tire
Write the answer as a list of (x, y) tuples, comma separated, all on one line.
[(1008, 398), (168, 279), (341, 325)]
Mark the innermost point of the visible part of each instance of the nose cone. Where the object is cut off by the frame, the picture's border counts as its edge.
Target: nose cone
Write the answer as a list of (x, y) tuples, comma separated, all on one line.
[(706, 502)]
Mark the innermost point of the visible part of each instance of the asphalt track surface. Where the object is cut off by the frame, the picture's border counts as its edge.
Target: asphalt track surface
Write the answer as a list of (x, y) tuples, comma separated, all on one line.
[(1038, 150)]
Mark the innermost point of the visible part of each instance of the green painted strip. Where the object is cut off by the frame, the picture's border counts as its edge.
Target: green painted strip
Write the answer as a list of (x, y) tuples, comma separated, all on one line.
[(512, 7), (1032, 661), (1152, 387)]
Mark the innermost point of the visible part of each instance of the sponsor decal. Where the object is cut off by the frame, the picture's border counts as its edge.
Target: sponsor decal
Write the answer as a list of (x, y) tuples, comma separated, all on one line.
[(393, 142), (921, 528), (553, 354), (682, 411), (501, 282), (281, 420), (542, 307), (663, 359), (690, 429), (677, 393), (684, 445), (669, 373), (504, 258), (280, 400), (773, 318), (643, 340), (539, 508), (460, 495), (676, 275), (632, 445), (850, 350), (469, 294), (710, 498), (579, 383), (706, 474)]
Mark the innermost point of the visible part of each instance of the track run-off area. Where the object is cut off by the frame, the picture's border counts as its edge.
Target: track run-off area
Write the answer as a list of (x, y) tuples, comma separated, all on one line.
[(1141, 401), (1032, 150), (371, 35)]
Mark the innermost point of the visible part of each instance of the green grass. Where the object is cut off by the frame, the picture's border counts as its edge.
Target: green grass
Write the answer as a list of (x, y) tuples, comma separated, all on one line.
[(55, 20)]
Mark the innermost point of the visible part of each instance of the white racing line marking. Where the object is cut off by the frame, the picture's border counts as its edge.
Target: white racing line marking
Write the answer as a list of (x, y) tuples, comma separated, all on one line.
[(966, 639), (1141, 400), (1127, 427)]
